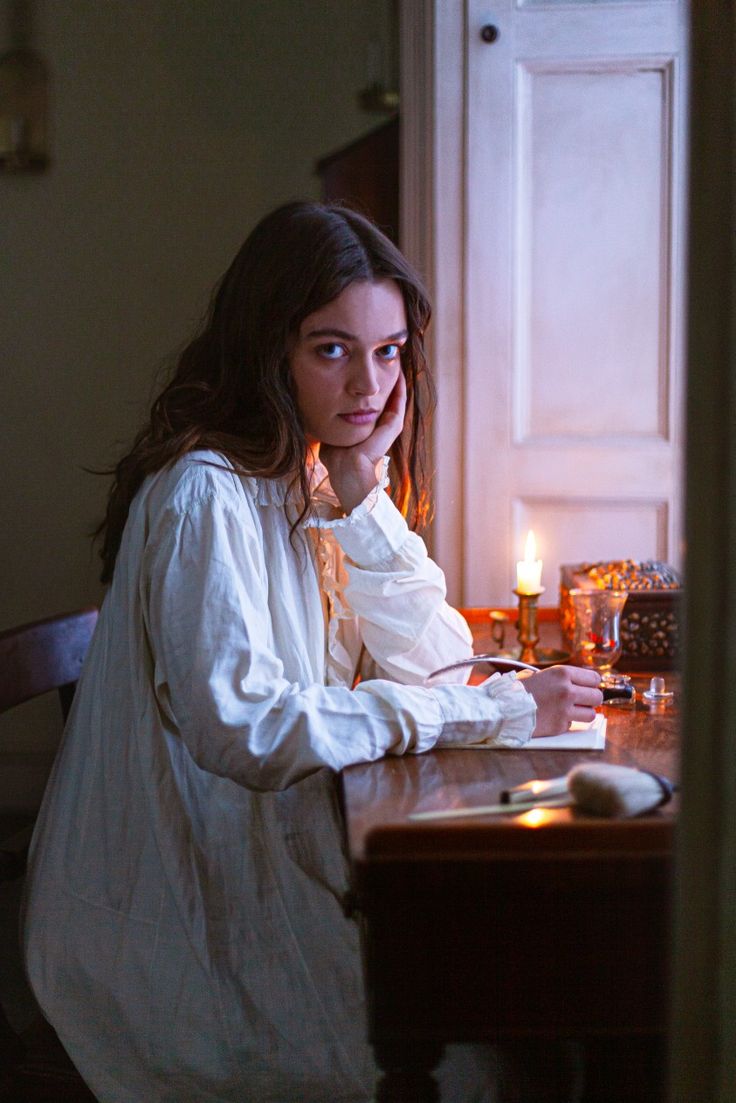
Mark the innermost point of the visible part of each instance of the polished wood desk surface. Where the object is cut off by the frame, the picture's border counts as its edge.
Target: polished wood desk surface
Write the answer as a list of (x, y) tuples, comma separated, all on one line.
[(545, 924), (380, 796)]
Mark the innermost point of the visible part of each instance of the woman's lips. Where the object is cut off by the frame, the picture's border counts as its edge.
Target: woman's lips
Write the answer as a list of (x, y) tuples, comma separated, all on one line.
[(360, 417)]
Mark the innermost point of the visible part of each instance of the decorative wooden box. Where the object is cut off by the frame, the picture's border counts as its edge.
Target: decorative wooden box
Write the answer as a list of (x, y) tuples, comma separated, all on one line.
[(650, 622)]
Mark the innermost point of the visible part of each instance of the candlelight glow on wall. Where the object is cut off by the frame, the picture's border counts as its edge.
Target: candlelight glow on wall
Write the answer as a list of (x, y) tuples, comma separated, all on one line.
[(529, 569)]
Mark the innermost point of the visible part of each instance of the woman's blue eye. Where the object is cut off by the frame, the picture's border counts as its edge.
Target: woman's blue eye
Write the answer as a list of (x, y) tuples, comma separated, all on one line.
[(389, 352), (331, 351)]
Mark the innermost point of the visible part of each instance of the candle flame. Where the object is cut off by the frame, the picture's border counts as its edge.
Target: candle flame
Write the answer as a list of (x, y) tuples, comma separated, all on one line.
[(529, 569), (530, 551)]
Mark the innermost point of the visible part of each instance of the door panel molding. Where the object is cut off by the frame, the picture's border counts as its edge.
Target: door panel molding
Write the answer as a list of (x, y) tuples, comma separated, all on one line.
[(514, 421), (547, 312)]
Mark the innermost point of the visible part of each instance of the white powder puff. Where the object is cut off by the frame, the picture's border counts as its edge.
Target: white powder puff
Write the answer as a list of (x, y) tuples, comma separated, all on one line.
[(605, 790)]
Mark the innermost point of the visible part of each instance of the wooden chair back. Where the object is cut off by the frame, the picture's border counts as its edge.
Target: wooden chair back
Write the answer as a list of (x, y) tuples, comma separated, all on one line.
[(44, 655), (34, 659)]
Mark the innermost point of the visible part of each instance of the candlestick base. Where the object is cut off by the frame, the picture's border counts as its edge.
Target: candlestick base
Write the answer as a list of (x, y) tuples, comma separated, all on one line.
[(528, 633)]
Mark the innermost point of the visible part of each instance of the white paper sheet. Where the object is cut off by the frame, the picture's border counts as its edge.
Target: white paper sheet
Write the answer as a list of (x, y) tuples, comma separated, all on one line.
[(581, 737)]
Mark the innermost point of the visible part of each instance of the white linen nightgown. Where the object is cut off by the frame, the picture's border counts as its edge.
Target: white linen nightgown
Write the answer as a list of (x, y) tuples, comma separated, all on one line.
[(184, 926)]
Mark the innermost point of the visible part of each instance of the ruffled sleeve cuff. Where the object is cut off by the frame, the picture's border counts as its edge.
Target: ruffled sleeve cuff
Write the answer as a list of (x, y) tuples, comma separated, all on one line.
[(499, 713), (374, 531)]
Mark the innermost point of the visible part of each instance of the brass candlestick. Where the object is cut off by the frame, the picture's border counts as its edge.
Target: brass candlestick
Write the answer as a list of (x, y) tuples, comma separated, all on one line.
[(528, 629)]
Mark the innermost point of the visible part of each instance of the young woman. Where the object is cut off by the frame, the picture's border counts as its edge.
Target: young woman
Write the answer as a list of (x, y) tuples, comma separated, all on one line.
[(271, 618)]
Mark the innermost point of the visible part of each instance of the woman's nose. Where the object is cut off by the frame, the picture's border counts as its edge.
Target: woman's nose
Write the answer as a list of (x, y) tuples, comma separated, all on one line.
[(364, 377)]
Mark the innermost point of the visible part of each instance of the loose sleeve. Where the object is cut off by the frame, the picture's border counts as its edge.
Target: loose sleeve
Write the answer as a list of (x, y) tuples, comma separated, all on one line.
[(221, 688), (398, 594)]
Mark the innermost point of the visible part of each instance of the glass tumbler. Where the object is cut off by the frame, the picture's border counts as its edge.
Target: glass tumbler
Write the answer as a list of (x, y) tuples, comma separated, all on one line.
[(597, 632)]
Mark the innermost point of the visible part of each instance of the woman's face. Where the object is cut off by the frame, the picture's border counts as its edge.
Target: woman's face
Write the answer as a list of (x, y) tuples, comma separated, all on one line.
[(346, 360)]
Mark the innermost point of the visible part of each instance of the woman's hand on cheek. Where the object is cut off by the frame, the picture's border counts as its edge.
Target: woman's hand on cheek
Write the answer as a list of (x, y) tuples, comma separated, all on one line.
[(352, 470)]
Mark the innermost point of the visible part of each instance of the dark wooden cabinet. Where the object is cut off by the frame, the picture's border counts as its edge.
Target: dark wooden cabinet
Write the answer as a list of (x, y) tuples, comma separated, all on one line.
[(365, 175)]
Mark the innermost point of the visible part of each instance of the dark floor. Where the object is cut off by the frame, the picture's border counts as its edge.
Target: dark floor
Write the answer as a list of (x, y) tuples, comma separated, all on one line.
[(44, 1073), (34, 1069)]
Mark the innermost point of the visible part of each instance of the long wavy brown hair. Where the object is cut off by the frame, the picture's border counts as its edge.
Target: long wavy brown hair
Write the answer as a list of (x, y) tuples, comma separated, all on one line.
[(231, 389)]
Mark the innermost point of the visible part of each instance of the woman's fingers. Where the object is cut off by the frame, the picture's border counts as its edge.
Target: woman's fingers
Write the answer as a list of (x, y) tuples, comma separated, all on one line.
[(396, 404), (563, 694), (591, 698), (581, 676), (391, 422), (582, 715), (353, 469)]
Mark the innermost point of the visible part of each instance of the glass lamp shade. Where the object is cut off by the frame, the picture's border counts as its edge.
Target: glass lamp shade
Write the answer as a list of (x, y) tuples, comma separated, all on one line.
[(23, 111)]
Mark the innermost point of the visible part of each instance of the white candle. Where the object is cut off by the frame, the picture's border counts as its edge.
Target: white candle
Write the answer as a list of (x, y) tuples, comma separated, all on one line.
[(529, 569)]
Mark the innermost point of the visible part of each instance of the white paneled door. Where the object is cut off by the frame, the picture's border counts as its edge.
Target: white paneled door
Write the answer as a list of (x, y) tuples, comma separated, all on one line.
[(565, 383)]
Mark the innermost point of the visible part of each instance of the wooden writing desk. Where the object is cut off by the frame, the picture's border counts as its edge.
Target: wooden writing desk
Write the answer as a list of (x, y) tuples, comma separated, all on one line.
[(548, 924)]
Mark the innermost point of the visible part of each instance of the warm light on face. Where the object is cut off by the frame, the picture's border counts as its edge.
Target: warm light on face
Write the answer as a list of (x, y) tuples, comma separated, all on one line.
[(346, 360)]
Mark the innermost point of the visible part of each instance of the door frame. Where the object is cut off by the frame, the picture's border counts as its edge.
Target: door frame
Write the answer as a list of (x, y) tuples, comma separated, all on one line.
[(432, 146)]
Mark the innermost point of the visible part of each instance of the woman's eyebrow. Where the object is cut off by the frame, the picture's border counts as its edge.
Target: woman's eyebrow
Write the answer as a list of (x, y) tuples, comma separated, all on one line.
[(329, 332)]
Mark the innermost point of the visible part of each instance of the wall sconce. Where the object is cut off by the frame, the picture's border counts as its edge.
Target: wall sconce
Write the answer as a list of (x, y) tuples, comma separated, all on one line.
[(378, 99), (23, 100), (381, 93)]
